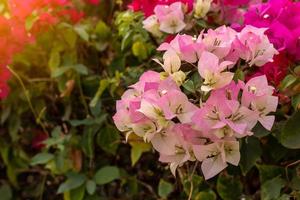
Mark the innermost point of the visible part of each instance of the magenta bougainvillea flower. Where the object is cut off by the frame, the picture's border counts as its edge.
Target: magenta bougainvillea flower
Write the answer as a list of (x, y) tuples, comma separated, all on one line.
[(281, 18), (147, 6), (275, 71)]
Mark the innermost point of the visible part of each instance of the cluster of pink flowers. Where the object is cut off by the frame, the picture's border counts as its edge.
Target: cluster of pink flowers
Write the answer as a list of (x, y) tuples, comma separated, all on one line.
[(147, 6), (207, 130), (168, 19), (281, 18)]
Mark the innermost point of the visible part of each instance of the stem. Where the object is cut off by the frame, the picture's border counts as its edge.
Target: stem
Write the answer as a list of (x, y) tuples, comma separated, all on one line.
[(82, 98), (43, 187), (191, 180), (37, 120)]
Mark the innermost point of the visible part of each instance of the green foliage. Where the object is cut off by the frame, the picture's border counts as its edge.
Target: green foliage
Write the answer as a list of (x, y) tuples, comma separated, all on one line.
[(271, 188), (229, 187), (106, 175), (164, 188), (250, 153), (290, 136)]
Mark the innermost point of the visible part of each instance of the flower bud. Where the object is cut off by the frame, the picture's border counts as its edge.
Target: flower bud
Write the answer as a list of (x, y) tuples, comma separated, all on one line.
[(151, 24), (179, 77), (201, 8)]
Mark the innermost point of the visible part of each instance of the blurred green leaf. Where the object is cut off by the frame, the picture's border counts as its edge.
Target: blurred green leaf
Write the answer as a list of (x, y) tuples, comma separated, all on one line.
[(206, 195), (139, 50), (271, 188), (290, 136), (73, 181), (70, 37), (60, 71), (296, 102), (102, 30), (267, 172), (229, 187), (137, 148), (91, 187), (259, 131), (6, 192), (81, 30), (77, 193), (104, 83), (250, 153), (41, 158), (106, 175), (164, 188), (80, 68), (108, 139), (288, 81)]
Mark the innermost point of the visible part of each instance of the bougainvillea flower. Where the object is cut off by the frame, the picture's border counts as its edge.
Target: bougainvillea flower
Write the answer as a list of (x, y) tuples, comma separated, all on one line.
[(254, 46), (281, 18), (170, 18), (147, 6), (275, 71), (219, 41), (213, 72), (215, 156), (172, 147), (254, 88)]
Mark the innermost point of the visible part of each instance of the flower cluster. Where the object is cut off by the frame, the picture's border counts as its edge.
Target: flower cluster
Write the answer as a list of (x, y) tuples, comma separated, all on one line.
[(168, 19), (281, 17), (206, 129), (147, 6)]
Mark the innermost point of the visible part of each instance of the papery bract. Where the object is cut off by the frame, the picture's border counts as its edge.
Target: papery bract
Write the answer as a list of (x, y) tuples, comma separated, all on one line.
[(215, 156), (213, 72)]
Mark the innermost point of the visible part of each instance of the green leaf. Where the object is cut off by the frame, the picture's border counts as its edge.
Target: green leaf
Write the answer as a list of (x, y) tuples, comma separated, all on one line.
[(54, 60), (70, 37), (288, 81), (290, 136), (271, 188), (77, 193), (127, 39), (189, 86), (91, 187), (296, 102), (106, 175), (139, 50), (259, 131), (5, 192), (199, 184), (108, 139), (137, 149), (60, 71), (250, 153), (239, 75), (80, 68), (73, 181), (229, 187), (30, 20), (164, 188), (284, 197), (104, 83), (87, 142), (41, 158), (206, 195), (82, 32), (267, 172), (102, 30)]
